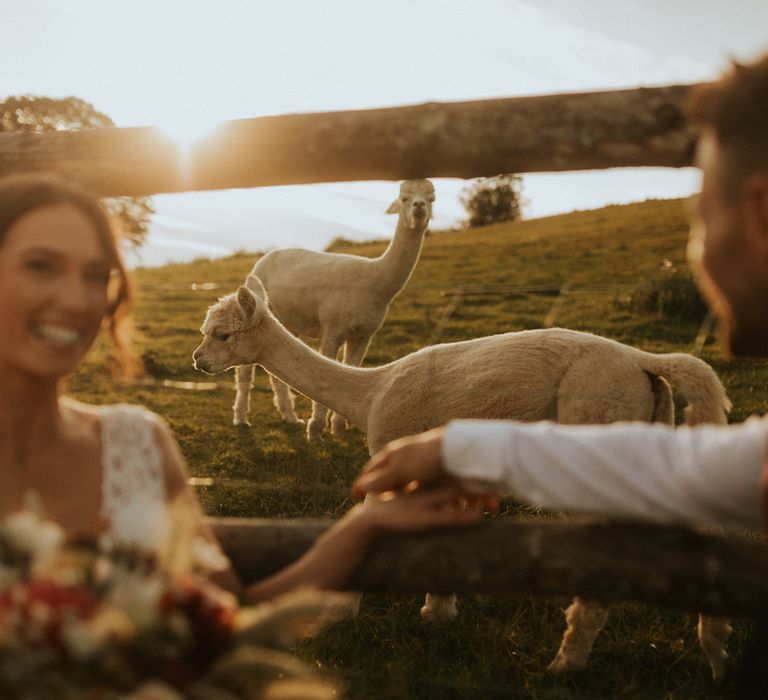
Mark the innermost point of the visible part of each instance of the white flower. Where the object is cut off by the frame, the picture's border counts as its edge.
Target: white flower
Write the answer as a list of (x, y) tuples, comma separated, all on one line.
[(78, 638), (111, 624), (138, 596), (208, 556), (30, 533), (141, 523)]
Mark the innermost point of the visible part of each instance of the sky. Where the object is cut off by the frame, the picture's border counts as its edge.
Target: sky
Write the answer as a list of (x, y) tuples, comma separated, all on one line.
[(187, 64)]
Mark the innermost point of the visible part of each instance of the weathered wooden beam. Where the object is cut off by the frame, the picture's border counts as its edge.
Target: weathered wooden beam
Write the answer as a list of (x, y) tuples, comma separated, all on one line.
[(608, 561), (578, 131)]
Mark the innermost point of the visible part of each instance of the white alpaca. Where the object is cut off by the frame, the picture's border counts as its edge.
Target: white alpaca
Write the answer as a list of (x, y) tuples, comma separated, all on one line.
[(340, 299), (554, 374)]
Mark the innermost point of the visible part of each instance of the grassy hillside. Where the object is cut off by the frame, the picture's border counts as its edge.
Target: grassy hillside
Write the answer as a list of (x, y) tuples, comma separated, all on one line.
[(510, 277)]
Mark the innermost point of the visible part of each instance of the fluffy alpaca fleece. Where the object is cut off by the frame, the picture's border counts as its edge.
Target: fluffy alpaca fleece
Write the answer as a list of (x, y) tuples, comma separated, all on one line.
[(554, 374), (340, 299)]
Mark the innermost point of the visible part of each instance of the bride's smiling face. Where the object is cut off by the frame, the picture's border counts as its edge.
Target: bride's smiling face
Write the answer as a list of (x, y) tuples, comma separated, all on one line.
[(54, 278)]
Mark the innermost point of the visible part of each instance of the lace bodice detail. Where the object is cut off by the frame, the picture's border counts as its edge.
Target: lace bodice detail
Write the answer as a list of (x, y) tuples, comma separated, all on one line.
[(133, 481)]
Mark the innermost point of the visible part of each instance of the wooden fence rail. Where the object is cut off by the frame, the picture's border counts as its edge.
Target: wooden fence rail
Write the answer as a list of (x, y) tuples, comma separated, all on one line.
[(578, 131), (608, 561)]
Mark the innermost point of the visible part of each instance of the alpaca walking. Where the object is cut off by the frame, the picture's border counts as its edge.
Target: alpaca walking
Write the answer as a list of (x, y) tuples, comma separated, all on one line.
[(553, 374), (340, 299)]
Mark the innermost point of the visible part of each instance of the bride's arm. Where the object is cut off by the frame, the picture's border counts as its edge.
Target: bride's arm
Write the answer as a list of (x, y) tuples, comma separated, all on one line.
[(330, 561), (336, 554), (181, 499)]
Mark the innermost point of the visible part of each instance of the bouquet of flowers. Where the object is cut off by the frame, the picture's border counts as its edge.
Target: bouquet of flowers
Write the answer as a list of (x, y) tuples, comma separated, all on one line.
[(78, 620)]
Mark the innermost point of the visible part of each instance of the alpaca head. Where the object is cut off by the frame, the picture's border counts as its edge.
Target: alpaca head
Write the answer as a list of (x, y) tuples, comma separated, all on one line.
[(230, 331), (414, 203)]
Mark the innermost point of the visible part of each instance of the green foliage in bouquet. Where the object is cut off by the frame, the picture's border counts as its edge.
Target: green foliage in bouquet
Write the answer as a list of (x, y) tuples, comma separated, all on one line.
[(81, 620)]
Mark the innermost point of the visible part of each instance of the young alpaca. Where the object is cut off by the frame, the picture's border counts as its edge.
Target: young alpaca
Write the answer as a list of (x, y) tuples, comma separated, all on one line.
[(340, 299), (553, 374)]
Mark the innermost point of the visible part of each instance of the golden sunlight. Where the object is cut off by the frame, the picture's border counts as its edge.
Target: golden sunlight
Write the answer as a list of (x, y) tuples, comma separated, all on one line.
[(188, 131)]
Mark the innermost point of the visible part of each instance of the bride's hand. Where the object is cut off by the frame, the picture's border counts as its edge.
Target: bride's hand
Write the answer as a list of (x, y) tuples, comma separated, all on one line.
[(340, 549), (409, 511)]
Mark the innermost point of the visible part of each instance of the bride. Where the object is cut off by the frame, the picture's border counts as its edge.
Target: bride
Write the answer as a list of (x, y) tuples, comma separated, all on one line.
[(116, 472)]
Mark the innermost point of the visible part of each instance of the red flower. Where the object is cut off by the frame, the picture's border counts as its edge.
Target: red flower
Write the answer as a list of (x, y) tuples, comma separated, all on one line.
[(41, 606), (209, 611)]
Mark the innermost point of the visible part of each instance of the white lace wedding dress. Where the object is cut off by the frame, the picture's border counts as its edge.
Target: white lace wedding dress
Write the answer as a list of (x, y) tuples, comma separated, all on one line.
[(134, 498)]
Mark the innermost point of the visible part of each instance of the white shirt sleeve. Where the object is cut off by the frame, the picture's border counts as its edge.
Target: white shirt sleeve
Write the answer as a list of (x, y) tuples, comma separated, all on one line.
[(697, 475)]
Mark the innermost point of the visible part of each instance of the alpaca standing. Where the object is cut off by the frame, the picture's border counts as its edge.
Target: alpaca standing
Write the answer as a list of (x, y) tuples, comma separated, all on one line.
[(340, 299), (554, 374)]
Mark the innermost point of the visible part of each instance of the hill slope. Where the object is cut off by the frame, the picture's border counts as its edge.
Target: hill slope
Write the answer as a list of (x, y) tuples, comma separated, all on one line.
[(467, 284)]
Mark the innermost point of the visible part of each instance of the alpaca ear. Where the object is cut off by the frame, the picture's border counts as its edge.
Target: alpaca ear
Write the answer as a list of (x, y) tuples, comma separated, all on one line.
[(394, 208), (247, 302), (256, 287)]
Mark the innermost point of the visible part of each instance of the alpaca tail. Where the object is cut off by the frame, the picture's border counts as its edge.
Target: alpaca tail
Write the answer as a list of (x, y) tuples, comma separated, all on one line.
[(703, 390), (663, 404)]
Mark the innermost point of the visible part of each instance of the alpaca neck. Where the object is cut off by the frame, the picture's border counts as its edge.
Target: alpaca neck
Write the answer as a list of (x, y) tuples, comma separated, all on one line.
[(394, 266), (345, 390)]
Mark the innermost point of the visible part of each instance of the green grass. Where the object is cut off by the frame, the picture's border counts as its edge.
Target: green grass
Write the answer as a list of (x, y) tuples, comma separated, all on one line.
[(498, 647)]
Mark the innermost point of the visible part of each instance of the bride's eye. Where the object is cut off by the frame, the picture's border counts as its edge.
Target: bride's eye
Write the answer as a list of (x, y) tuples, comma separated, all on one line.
[(39, 265), (99, 277)]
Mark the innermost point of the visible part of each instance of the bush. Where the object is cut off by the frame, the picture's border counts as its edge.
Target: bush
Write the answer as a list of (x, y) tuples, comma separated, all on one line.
[(34, 115), (493, 200), (675, 296)]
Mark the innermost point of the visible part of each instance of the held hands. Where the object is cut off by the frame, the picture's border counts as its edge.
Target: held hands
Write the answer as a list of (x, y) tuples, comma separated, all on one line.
[(410, 511), (408, 488), (405, 490), (400, 463)]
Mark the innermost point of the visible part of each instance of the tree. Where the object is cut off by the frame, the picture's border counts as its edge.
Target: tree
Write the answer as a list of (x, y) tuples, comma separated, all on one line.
[(39, 114), (493, 200)]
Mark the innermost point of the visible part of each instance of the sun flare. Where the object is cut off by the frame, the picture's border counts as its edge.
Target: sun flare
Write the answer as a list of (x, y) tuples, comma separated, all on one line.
[(189, 131)]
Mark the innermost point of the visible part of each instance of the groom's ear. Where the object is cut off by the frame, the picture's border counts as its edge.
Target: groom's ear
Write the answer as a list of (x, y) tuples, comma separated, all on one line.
[(755, 208)]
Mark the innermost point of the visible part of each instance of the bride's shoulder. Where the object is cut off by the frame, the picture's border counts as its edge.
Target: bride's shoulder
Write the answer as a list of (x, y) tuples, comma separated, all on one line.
[(118, 426), (93, 412), (132, 433)]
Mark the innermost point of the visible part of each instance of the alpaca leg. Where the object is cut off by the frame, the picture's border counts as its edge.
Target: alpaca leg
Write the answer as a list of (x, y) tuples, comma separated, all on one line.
[(283, 399), (329, 346), (713, 634), (354, 353), (585, 619), (577, 404), (243, 383), (439, 608)]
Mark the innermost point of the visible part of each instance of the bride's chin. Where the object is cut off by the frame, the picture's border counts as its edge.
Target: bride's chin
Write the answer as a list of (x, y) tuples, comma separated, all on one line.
[(54, 369)]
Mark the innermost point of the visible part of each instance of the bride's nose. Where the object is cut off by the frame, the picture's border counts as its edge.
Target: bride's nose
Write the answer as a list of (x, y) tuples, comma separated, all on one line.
[(77, 295)]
